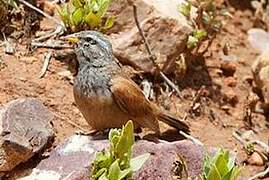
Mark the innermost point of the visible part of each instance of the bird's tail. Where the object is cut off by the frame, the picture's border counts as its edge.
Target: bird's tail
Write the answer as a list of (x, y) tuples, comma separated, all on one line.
[(174, 122)]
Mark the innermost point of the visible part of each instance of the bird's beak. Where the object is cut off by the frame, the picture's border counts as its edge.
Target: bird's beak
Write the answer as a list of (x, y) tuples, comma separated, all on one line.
[(71, 39)]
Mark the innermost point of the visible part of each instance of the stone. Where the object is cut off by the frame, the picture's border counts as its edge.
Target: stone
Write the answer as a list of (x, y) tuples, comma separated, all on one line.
[(259, 39), (228, 68), (165, 28), (25, 129), (260, 71), (230, 81), (230, 97), (255, 159), (72, 159)]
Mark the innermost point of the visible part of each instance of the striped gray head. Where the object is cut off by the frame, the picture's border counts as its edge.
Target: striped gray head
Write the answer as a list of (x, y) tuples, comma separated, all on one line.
[(91, 45)]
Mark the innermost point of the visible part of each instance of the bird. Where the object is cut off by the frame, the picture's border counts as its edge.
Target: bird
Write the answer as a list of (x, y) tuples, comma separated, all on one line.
[(105, 95)]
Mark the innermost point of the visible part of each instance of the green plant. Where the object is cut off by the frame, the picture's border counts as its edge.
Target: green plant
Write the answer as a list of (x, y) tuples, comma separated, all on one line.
[(220, 167), (85, 14), (206, 23), (116, 163)]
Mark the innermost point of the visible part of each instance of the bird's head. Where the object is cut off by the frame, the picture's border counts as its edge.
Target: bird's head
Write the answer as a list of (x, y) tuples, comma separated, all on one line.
[(90, 45)]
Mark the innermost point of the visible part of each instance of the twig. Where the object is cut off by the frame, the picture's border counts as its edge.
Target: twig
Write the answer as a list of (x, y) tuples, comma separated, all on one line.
[(261, 144), (239, 138), (260, 174), (197, 96), (58, 31), (193, 139), (51, 44), (152, 57), (47, 58), (40, 11)]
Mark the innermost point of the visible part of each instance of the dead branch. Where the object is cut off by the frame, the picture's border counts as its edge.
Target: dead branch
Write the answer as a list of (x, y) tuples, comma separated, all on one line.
[(58, 31), (52, 44), (152, 57), (47, 58), (193, 139)]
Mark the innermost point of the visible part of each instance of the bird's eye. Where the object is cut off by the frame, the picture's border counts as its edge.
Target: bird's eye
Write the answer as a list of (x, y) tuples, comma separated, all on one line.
[(91, 41)]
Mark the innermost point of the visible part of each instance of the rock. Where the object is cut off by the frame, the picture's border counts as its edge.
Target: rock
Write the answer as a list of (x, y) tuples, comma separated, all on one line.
[(72, 159), (165, 28), (230, 81), (248, 79), (255, 159), (231, 97), (259, 39), (260, 71), (25, 130), (228, 68), (47, 6)]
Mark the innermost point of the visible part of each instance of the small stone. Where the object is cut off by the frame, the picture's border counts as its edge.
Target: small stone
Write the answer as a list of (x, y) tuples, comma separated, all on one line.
[(25, 129), (228, 68), (47, 6), (165, 28), (255, 159), (231, 97), (248, 79), (230, 81)]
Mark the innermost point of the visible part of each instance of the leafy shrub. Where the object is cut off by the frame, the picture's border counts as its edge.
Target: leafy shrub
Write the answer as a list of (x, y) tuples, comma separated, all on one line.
[(206, 23), (220, 167), (85, 14), (116, 163)]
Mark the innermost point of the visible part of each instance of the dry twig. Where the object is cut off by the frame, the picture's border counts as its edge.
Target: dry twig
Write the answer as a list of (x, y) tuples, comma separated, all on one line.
[(47, 58), (193, 139), (52, 44), (152, 57)]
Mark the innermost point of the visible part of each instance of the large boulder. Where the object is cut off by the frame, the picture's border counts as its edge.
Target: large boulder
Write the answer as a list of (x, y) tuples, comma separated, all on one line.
[(25, 129), (164, 26), (259, 39), (72, 159)]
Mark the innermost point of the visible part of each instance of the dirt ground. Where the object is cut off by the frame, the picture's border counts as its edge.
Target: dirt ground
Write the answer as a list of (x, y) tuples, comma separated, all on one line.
[(214, 125)]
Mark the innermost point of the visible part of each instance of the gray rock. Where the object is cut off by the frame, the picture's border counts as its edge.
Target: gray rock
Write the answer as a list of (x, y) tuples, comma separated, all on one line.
[(259, 39), (260, 71), (72, 159), (25, 129), (165, 28)]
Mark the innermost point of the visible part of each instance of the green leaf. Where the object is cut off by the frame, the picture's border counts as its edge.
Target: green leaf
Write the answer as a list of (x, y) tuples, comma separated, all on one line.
[(185, 9), (12, 3), (114, 171), (64, 14), (126, 141), (92, 20), (137, 162), (192, 42), (77, 16), (103, 6), (100, 173), (125, 173), (221, 165), (109, 23), (233, 174), (213, 173), (103, 177), (78, 3), (199, 34)]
